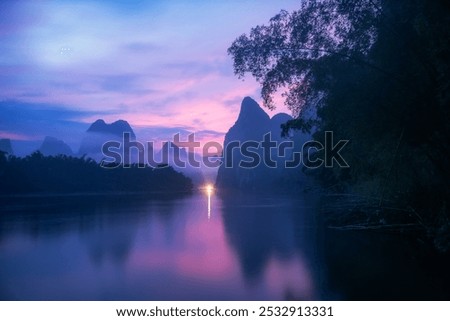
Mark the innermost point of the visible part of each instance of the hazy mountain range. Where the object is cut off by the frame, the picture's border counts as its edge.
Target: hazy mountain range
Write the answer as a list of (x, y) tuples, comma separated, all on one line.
[(251, 125)]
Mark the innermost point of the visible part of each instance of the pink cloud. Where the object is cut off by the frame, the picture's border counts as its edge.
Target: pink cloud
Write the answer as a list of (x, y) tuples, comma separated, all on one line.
[(16, 136), (179, 75)]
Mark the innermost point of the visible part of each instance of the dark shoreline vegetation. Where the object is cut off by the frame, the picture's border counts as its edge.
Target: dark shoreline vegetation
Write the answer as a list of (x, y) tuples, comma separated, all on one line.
[(375, 73), (37, 174)]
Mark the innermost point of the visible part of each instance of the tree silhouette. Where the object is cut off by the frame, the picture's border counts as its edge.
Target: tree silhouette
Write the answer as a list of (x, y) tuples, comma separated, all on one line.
[(64, 174), (376, 73)]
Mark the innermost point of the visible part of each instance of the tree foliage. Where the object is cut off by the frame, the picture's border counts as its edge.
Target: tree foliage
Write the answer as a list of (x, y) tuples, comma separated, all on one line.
[(37, 173), (375, 72)]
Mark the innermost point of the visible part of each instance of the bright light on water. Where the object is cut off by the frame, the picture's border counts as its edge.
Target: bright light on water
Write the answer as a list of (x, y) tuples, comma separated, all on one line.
[(209, 188)]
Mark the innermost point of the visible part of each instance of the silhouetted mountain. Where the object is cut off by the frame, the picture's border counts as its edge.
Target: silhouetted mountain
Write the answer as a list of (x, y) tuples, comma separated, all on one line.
[(5, 146), (179, 158), (117, 128), (275, 123), (169, 150), (99, 133), (251, 126), (53, 147), (252, 118)]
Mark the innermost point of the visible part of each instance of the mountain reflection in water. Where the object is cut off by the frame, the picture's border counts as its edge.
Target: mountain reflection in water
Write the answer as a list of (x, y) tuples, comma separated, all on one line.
[(204, 246)]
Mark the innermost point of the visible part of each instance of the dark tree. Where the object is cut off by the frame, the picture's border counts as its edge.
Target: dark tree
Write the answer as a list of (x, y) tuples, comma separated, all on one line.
[(376, 73), (37, 173)]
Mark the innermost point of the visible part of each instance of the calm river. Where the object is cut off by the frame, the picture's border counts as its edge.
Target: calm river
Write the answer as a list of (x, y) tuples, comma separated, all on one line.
[(198, 247)]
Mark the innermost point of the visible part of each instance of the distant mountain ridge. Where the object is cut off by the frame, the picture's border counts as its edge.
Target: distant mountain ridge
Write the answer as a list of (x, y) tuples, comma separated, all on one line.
[(52, 146), (173, 155), (99, 133), (116, 128)]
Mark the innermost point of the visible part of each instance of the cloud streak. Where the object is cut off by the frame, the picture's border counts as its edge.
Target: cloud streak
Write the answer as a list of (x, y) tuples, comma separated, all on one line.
[(153, 63)]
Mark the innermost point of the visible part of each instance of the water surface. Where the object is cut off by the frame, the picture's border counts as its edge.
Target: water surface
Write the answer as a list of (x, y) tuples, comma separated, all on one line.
[(197, 247)]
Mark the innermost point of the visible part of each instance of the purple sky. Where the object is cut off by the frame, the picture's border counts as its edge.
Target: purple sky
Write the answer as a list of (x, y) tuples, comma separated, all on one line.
[(160, 65)]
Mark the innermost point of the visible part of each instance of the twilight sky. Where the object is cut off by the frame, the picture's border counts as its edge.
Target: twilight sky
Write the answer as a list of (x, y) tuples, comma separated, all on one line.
[(160, 65)]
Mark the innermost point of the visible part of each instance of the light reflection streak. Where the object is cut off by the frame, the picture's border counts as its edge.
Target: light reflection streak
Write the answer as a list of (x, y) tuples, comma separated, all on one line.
[(209, 190)]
